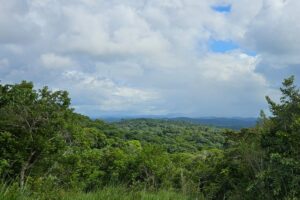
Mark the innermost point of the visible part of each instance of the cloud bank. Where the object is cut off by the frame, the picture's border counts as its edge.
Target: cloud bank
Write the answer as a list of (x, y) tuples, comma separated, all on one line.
[(139, 57)]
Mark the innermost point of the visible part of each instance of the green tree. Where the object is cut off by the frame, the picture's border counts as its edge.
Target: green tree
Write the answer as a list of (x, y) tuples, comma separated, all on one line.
[(32, 127), (281, 139)]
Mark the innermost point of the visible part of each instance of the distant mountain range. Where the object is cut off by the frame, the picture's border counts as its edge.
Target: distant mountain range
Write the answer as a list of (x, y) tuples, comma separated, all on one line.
[(235, 123)]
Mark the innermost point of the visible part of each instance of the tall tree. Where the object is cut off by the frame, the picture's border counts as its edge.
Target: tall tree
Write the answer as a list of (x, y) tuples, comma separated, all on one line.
[(281, 141), (32, 126)]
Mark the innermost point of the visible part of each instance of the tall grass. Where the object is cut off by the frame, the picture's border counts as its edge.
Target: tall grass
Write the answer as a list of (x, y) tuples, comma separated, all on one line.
[(107, 193), (11, 192), (120, 193)]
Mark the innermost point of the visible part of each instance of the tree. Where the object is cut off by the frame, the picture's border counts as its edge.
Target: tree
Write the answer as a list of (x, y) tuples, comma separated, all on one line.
[(32, 126), (281, 139)]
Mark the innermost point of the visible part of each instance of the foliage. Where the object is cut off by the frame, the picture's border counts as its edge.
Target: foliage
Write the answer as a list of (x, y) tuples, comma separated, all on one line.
[(174, 136), (47, 151), (32, 127), (281, 139), (109, 192)]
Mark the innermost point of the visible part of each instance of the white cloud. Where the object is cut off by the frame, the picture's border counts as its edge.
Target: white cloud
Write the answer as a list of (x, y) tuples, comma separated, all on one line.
[(230, 67), (142, 57), (219, 84), (273, 32), (53, 61), (103, 94)]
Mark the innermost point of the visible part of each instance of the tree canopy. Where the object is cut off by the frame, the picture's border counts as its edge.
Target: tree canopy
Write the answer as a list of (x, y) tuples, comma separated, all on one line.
[(46, 148)]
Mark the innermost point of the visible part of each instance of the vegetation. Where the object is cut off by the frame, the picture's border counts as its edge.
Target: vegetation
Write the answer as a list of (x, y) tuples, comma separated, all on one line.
[(235, 123), (173, 136), (47, 151)]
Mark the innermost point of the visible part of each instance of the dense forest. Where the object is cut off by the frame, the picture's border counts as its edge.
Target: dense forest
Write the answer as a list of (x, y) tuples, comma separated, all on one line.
[(47, 151), (235, 123)]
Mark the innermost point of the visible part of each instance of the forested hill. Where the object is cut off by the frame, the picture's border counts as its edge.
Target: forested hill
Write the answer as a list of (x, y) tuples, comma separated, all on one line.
[(175, 136), (235, 123)]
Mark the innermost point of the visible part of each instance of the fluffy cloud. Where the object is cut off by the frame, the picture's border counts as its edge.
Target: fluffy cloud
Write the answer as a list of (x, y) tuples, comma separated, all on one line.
[(274, 32), (53, 61), (150, 57), (94, 93)]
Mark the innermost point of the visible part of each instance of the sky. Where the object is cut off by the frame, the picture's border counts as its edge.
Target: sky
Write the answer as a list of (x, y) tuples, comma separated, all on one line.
[(191, 58)]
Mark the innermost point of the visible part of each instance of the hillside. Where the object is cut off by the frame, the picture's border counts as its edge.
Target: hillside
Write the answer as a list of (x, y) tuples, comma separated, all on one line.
[(235, 123), (175, 136)]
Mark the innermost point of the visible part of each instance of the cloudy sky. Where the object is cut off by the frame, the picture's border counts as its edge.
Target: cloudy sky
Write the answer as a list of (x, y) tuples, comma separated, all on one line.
[(153, 57)]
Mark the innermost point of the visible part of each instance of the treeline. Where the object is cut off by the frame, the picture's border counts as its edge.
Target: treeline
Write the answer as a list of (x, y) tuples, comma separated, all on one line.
[(46, 149)]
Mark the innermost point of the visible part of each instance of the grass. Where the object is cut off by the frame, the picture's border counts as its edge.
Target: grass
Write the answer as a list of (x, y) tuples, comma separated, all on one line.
[(107, 193)]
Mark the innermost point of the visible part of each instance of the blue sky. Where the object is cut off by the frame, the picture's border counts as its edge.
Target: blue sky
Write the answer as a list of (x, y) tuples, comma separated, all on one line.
[(222, 8), (136, 57), (222, 46)]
